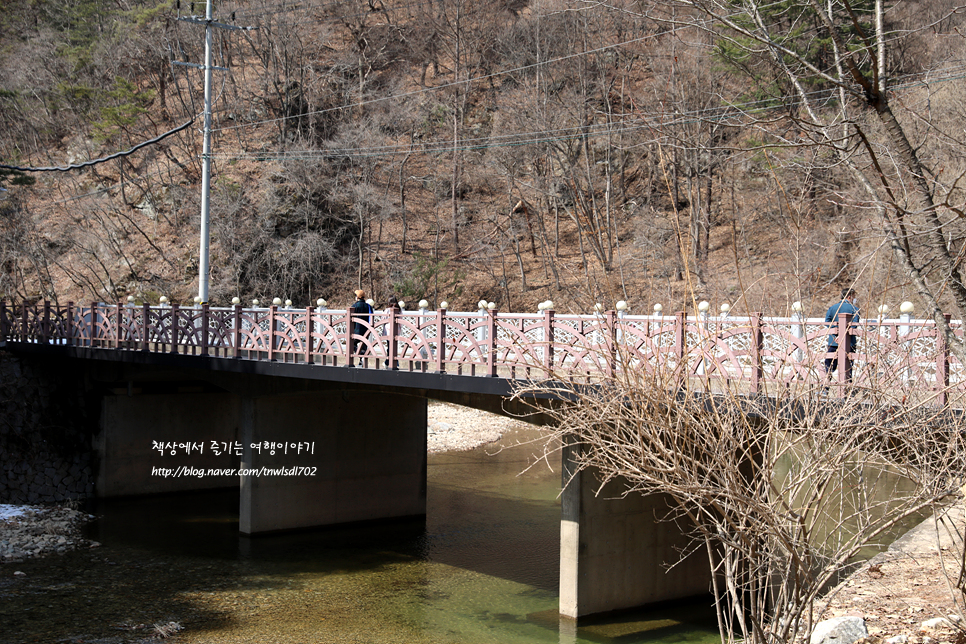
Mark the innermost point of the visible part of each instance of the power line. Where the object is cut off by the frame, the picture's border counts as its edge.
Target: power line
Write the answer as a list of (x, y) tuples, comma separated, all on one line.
[(565, 133), (92, 162)]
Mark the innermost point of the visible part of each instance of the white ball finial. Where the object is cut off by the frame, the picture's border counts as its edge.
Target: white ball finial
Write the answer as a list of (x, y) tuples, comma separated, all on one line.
[(371, 302), (423, 304), (549, 305), (907, 307), (725, 308), (321, 302), (621, 305), (444, 304), (197, 299), (276, 301), (288, 303), (797, 306), (255, 302), (481, 304), (598, 307), (402, 305), (236, 300), (658, 308), (130, 299), (491, 306), (704, 305), (163, 299), (883, 309)]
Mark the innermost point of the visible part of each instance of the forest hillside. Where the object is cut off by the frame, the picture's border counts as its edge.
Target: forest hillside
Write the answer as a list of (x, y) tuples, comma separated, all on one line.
[(509, 150)]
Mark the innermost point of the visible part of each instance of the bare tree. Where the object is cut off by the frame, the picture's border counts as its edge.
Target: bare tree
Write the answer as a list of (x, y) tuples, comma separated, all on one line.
[(781, 494), (838, 97)]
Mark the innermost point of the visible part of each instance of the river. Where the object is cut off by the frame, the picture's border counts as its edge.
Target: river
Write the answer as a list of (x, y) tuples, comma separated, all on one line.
[(482, 568)]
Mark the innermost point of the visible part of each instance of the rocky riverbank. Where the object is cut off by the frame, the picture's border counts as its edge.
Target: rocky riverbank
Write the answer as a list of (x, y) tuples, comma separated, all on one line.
[(908, 594), (27, 532)]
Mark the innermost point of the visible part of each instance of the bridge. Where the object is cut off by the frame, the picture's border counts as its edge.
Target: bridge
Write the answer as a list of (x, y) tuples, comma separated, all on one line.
[(318, 434), (750, 353)]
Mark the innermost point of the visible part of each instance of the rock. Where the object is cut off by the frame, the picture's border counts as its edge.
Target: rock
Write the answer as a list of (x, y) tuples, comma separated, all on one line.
[(19, 573), (936, 622), (840, 630), (898, 639)]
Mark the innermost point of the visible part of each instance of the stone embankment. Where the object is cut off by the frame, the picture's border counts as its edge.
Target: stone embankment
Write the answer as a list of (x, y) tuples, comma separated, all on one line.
[(45, 452)]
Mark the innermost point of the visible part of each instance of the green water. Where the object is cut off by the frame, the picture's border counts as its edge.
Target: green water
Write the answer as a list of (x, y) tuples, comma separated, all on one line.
[(482, 568)]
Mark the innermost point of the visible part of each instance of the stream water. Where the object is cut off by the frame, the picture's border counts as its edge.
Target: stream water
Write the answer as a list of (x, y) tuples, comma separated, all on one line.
[(482, 568)]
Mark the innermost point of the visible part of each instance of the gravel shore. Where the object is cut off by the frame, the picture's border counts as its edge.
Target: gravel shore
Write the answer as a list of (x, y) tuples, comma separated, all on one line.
[(453, 428), (27, 532)]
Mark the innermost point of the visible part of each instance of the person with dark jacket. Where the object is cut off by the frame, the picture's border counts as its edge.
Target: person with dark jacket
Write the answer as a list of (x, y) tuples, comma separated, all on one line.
[(845, 305), (361, 317)]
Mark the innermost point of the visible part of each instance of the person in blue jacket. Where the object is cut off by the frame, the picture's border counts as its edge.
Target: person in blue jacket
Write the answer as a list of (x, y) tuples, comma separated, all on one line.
[(845, 305), (361, 312)]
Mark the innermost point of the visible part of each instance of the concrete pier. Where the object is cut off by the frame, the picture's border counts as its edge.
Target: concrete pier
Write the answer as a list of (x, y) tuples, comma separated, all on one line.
[(184, 424), (368, 460), (615, 552)]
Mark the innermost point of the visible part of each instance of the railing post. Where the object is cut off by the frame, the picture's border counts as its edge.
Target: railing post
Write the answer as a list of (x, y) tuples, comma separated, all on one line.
[(94, 325), (272, 310), (942, 365), (393, 333), (119, 325), (680, 337), (204, 328), (441, 340), (45, 325), (757, 348), (175, 325), (236, 330), (23, 324), (69, 340), (4, 325), (609, 338), (491, 333), (308, 334), (548, 340), (348, 336), (842, 351), (145, 326)]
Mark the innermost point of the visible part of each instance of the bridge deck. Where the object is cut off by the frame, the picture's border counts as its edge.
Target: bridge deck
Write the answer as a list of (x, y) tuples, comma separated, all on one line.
[(742, 355)]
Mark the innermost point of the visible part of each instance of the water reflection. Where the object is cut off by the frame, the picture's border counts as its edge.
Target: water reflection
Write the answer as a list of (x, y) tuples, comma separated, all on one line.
[(481, 568)]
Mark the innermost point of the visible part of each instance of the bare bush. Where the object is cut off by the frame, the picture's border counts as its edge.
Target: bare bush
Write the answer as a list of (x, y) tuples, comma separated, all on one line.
[(784, 494)]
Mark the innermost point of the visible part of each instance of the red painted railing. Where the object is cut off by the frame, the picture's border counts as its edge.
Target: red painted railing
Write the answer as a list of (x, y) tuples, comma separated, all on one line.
[(748, 354)]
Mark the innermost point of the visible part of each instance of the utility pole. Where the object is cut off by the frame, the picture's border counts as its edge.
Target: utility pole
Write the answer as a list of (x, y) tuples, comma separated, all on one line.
[(204, 270)]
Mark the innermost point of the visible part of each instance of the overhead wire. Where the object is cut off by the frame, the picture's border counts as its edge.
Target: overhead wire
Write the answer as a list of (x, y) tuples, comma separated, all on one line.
[(92, 162)]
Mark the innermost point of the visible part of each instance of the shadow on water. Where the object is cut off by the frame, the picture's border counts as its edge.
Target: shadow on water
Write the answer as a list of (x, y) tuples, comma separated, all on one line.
[(481, 568)]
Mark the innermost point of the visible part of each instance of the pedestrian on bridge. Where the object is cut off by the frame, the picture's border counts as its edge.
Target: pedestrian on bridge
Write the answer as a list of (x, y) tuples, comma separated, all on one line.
[(845, 305), (361, 321)]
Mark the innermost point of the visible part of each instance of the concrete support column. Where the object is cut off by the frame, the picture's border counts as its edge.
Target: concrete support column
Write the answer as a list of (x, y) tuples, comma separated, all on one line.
[(367, 459), (614, 552), (154, 443)]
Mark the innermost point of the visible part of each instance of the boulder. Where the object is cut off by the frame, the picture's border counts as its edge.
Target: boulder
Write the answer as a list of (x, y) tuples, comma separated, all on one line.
[(840, 630)]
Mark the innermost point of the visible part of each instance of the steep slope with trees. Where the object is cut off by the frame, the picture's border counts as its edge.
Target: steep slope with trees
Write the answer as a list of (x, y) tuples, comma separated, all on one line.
[(512, 151)]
